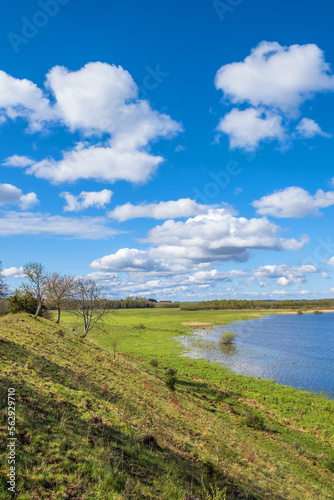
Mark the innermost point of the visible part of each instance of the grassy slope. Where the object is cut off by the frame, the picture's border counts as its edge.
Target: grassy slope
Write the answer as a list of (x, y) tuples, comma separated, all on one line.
[(81, 414)]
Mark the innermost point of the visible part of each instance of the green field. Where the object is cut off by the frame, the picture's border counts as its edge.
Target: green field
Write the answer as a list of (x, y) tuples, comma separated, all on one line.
[(82, 416)]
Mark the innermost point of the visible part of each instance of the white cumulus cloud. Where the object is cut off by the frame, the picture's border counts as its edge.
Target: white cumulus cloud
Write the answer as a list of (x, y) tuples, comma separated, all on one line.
[(22, 98), (185, 207), (12, 195), (100, 101), (185, 247), (309, 128), (86, 199), (275, 80), (285, 274), (13, 272), (294, 202), (330, 262), (247, 128), (18, 161)]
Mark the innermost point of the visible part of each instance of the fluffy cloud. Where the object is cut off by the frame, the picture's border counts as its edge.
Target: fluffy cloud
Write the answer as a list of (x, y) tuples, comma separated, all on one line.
[(276, 76), (330, 262), (274, 80), (247, 128), (185, 207), (86, 199), (101, 101), (27, 223), (18, 161), (309, 128), (22, 98), (205, 277), (218, 235), (294, 202), (183, 247), (127, 259), (98, 163), (150, 283), (285, 274), (13, 272), (11, 195)]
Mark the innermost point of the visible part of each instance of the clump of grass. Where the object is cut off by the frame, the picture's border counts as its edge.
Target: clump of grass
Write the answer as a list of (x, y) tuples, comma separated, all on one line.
[(317, 312), (141, 326), (154, 362), (300, 312), (227, 339)]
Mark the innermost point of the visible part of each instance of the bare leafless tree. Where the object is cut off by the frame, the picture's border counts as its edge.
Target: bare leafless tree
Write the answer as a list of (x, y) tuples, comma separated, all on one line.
[(59, 290), (3, 286), (35, 273), (89, 303)]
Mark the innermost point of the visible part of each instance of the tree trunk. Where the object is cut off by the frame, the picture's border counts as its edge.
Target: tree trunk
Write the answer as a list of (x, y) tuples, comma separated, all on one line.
[(39, 307), (58, 315)]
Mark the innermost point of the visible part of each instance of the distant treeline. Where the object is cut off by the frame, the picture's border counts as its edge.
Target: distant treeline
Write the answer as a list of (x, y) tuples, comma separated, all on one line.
[(259, 304), (138, 303), (129, 303)]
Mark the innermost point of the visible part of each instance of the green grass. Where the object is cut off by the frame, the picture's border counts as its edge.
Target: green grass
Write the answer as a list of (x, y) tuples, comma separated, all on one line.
[(82, 416)]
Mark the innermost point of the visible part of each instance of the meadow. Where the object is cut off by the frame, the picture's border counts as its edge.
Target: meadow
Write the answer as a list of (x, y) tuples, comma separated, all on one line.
[(95, 418)]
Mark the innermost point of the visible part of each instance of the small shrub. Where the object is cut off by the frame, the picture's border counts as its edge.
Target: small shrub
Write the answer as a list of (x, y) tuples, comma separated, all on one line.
[(330, 464), (3, 306), (171, 372), (317, 312), (22, 303), (208, 466), (221, 396), (141, 326), (227, 338), (170, 382), (300, 312), (255, 421), (154, 362)]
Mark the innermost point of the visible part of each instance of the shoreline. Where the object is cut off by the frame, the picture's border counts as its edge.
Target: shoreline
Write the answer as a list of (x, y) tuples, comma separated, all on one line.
[(320, 393)]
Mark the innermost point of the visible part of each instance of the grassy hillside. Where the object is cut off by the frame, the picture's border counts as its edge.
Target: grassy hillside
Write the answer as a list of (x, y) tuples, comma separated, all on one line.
[(83, 418)]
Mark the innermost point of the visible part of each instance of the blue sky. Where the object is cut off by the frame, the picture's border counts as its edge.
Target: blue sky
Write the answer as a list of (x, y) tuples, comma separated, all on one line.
[(180, 150)]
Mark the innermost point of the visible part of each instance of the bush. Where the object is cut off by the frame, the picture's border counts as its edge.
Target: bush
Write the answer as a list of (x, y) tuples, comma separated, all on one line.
[(154, 362), (330, 464), (171, 371), (221, 396), (3, 306), (255, 421), (170, 382), (22, 303), (300, 312), (317, 312), (208, 466), (141, 326), (227, 338)]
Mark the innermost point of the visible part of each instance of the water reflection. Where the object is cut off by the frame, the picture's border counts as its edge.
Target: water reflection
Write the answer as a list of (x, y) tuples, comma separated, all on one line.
[(228, 349)]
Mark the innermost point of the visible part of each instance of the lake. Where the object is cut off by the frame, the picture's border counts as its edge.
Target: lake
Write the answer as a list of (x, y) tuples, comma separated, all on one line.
[(296, 350)]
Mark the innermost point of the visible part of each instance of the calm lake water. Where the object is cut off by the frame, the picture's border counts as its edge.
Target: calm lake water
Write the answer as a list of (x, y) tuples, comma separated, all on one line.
[(290, 349)]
